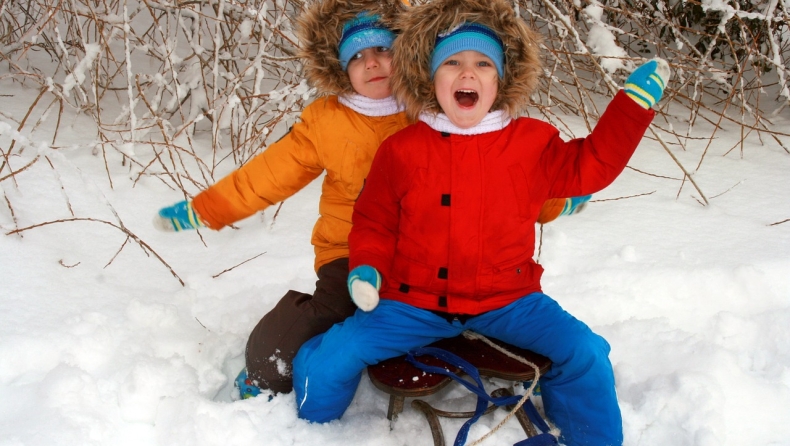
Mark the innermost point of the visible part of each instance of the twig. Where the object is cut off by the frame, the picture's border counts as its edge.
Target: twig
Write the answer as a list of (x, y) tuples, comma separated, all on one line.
[(234, 266), (697, 199), (683, 169), (117, 252), (22, 169), (621, 198), (276, 213), (653, 174), (121, 228), (11, 208), (779, 222), (201, 323), (729, 189), (27, 115), (62, 188)]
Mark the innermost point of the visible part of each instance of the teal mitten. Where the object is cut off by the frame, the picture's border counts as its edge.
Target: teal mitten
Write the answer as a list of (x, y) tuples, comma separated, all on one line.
[(646, 84), (246, 386), (178, 217), (364, 283), (574, 205)]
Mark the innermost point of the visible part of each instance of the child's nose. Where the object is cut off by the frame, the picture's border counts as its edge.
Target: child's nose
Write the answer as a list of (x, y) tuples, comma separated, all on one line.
[(467, 71), (371, 61)]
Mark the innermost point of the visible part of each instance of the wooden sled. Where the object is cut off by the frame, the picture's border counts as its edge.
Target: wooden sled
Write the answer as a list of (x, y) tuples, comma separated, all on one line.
[(400, 379)]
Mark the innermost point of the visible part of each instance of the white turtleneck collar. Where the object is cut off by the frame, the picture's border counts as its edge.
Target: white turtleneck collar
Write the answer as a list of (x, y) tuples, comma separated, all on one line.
[(492, 121), (370, 107)]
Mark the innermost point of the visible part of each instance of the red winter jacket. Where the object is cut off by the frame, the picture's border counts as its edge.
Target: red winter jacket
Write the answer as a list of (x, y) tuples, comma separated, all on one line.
[(449, 220)]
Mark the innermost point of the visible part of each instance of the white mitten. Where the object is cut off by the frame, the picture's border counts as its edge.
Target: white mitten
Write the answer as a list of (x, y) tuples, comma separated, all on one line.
[(364, 283), (365, 295)]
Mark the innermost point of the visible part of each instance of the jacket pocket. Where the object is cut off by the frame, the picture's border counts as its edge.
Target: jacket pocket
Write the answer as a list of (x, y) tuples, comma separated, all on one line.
[(514, 274), (413, 273)]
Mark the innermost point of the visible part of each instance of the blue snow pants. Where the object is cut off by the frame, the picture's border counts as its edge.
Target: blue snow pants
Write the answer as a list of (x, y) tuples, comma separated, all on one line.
[(578, 392)]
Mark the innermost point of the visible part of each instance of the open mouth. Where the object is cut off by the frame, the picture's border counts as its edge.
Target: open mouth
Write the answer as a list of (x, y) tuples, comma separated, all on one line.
[(466, 98)]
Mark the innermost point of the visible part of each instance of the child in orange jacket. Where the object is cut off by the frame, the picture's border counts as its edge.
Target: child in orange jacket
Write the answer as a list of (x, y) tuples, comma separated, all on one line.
[(345, 46)]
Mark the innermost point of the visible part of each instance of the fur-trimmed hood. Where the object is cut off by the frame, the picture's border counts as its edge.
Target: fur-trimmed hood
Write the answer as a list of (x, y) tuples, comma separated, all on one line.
[(319, 28), (411, 78)]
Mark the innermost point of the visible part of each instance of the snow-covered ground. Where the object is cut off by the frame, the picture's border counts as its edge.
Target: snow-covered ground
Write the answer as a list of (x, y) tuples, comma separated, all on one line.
[(101, 344)]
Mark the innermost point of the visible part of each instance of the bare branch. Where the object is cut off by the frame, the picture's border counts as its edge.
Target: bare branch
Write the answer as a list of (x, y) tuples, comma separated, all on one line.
[(121, 228), (234, 266)]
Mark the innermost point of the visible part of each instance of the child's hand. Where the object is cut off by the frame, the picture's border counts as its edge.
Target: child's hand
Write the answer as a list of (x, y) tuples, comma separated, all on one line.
[(364, 283), (554, 207), (178, 217), (646, 84), (574, 205)]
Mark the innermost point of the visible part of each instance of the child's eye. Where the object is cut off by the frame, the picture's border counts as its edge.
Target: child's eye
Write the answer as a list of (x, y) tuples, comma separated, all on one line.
[(382, 49), (483, 63), (451, 62), (356, 56)]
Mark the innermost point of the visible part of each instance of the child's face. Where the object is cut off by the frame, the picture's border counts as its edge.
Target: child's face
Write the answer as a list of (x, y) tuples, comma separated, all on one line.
[(466, 87), (369, 72)]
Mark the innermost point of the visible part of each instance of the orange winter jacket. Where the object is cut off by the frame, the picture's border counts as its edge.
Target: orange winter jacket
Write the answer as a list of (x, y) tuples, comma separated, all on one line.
[(330, 138)]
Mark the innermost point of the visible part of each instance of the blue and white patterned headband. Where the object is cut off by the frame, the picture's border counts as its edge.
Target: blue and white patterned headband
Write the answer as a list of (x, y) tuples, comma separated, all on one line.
[(363, 31), (469, 36)]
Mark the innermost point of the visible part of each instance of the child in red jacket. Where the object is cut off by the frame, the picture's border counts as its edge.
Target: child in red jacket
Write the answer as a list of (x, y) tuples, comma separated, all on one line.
[(444, 229)]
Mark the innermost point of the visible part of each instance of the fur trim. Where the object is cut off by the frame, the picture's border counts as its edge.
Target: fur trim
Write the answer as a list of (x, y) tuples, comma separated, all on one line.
[(319, 29), (411, 63)]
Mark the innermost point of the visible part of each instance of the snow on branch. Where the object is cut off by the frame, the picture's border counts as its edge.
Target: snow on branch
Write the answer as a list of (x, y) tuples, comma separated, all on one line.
[(155, 75)]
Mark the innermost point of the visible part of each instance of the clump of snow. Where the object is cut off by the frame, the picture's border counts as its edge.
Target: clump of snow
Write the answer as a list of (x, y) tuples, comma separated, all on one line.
[(245, 29), (602, 42), (77, 76)]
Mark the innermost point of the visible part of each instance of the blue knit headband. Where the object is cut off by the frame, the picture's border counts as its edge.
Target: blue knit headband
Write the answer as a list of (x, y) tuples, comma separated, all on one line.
[(363, 31), (469, 36)]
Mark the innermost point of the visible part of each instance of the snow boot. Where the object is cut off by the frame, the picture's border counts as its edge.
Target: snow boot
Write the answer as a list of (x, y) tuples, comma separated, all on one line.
[(246, 388)]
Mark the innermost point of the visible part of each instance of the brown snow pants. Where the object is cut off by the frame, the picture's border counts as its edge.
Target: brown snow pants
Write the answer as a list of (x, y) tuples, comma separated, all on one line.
[(295, 319)]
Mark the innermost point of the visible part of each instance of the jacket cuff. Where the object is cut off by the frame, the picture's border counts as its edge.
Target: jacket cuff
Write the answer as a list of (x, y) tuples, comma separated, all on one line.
[(632, 110), (214, 209)]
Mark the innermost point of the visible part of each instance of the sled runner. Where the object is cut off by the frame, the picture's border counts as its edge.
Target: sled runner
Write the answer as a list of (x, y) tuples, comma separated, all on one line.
[(401, 378)]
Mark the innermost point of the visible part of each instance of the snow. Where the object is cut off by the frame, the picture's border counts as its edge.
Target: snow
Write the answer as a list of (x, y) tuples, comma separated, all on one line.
[(601, 40), (101, 344), (77, 77)]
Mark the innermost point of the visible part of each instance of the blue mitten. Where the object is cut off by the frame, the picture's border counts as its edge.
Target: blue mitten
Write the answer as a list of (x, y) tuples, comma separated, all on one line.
[(646, 84), (575, 205), (178, 217), (364, 283)]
